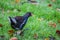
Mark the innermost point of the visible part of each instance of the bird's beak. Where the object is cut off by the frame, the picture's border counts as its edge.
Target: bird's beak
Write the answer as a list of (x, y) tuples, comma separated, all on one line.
[(32, 14)]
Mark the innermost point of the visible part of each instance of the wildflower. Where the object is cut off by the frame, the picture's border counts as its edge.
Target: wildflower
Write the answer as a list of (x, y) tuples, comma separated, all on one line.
[(13, 38)]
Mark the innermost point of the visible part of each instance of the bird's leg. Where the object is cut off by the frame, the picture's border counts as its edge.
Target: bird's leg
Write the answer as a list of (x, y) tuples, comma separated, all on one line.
[(19, 32), (15, 33), (22, 33)]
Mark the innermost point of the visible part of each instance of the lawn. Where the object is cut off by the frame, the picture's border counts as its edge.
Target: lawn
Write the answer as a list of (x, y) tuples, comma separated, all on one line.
[(44, 14)]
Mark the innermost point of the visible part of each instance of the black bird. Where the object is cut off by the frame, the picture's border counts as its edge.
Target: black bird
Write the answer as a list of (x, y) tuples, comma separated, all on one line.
[(19, 22)]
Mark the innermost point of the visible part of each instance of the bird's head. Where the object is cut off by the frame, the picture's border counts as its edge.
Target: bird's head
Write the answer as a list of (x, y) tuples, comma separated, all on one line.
[(28, 14)]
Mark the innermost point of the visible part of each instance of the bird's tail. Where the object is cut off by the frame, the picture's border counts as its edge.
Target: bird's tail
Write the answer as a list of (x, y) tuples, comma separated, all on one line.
[(12, 20)]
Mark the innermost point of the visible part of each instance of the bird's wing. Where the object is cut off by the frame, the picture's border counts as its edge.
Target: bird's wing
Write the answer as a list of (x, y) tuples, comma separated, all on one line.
[(19, 19), (23, 23), (12, 20)]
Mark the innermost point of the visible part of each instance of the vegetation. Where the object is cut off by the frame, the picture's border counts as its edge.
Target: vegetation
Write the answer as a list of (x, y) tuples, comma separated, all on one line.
[(43, 13)]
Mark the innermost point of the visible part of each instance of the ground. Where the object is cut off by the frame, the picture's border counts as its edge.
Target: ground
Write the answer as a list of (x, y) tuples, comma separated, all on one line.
[(44, 12)]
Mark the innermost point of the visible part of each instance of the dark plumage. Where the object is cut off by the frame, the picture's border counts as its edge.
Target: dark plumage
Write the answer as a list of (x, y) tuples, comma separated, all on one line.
[(19, 22)]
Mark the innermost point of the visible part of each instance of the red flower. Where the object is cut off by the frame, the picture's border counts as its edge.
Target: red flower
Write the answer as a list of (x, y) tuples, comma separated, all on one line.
[(54, 25), (13, 38)]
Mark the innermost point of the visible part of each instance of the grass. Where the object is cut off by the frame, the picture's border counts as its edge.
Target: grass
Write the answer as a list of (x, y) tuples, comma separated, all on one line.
[(38, 23)]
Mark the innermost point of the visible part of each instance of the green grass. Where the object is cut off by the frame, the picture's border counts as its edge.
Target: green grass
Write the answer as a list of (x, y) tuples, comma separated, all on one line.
[(35, 26)]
